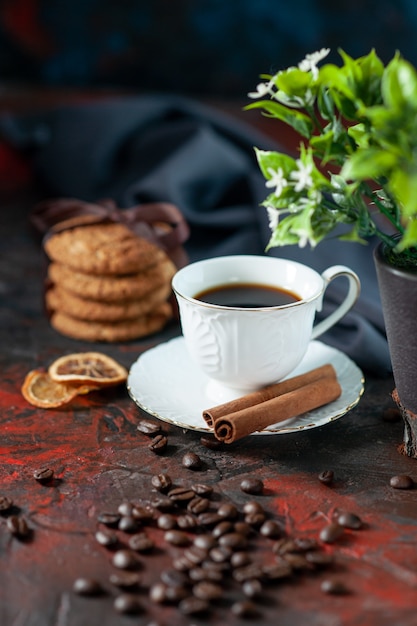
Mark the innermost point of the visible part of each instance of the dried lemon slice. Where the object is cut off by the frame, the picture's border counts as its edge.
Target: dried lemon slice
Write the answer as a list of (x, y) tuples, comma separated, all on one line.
[(87, 367), (40, 390)]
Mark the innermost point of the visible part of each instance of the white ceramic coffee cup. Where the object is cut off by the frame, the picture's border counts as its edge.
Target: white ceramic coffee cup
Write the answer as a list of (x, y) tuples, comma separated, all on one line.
[(243, 349)]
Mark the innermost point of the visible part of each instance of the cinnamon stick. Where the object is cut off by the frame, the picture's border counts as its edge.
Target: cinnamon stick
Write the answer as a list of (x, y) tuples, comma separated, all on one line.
[(271, 391), (251, 419)]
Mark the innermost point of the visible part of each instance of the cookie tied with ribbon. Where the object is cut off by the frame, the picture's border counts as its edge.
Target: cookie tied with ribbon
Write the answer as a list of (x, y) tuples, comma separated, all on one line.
[(110, 270)]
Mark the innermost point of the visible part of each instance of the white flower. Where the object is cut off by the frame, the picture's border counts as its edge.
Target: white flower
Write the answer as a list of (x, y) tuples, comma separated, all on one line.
[(302, 176), (277, 180), (273, 217), (309, 64), (262, 89)]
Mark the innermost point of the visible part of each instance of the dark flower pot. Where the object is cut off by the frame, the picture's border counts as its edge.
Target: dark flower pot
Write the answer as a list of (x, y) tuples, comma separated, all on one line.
[(398, 289)]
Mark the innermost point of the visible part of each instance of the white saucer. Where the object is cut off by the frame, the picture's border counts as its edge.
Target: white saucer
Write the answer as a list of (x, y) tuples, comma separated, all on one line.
[(168, 385)]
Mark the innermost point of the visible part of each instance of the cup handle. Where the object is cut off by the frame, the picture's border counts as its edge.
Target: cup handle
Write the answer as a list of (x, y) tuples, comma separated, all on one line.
[(352, 295)]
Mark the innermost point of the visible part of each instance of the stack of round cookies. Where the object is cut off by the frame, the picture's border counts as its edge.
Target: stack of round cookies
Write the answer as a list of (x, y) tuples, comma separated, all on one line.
[(107, 284)]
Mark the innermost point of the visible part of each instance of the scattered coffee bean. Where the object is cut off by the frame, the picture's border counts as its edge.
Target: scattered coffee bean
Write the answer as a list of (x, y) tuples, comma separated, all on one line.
[(162, 482), (333, 587), (221, 554), (234, 541), (271, 529), (253, 507), (125, 508), (177, 538), (198, 505), (209, 519), (87, 587), (228, 511), (5, 503), (276, 571), (175, 593), (149, 428), (174, 578), (163, 504), (240, 559), (205, 491), (43, 475), (106, 538), (319, 558), (207, 590), (243, 528), (198, 574), (158, 444), (349, 520), (297, 561), (124, 559), (402, 481), (128, 604), (181, 494), (252, 588), (195, 555), (207, 542), (253, 486), (18, 527), (182, 564), (191, 461), (326, 477), (331, 532), (211, 443), (128, 524), (186, 522), (143, 514), (244, 608), (193, 606), (255, 519), (157, 593), (166, 521), (140, 543), (222, 528), (125, 579), (109, 519)]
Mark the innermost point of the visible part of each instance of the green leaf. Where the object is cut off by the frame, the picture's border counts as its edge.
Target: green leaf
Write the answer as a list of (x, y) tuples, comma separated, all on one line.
[(293, 82), (299, 121), (274, 160), (409, 238), (403, 186), (399, 85), (368, 163)]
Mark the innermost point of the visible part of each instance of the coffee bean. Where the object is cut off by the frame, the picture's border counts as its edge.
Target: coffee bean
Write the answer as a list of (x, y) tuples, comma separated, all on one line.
[(125, 579), (255, 519), (221, 554), (243, 528), (143, 514), (158, 444), (240, 559), (333, 587), (193, 606), (271, 529), (87, 587), (18, 526), (161, 482), (253, 486), (234, 541), (331, 533), (349, 520), (205, 491), (148, 428), (191, 461), (244, 608), (106, 538), (157, 593), (195, 555), (125, 508), (207, 590), (302, 544), (175, 593), (128, 524), (211, 443), (174, 578), (205, 541), (166, 521), (124, 559), (182, 564), (5, 503), (222, 528), (297, 561), (252, 588), (326, 477), (109, 519), (276, 571), (319, 558), (228, 511), (253, 507), (43, 475), (209, 519), (127, 604), (198, 574), (177, 538), (163, 503), (140, 543), (198, 505), (284, 545), (181, 494), (402, 481), (186, 522)]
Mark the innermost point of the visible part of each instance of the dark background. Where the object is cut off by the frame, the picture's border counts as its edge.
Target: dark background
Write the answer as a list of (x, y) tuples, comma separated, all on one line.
[(203, 48)]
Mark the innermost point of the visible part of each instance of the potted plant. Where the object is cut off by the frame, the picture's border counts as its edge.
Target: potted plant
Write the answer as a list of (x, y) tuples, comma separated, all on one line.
[(355, 176)]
